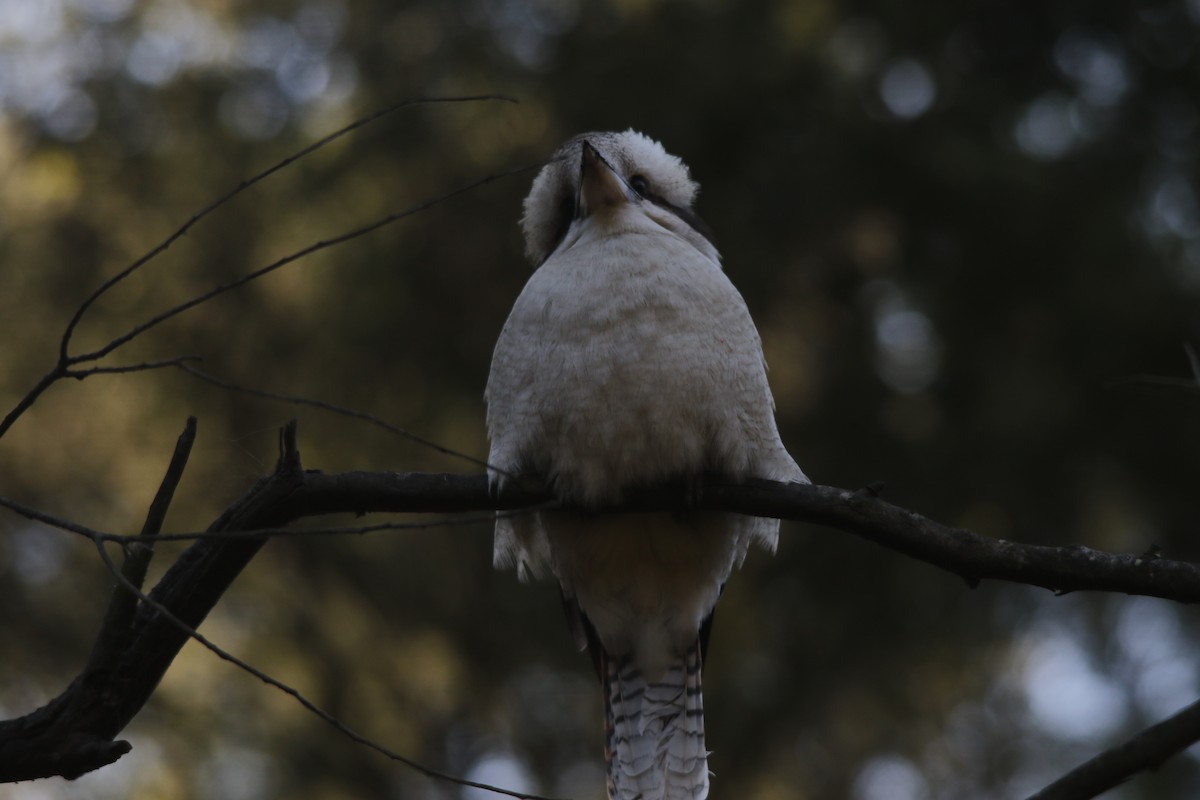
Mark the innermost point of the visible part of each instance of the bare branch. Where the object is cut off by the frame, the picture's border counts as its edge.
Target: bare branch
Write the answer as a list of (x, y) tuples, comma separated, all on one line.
[(69, 735), (310, 706), (220, 289), (73, 733), (295, 533), (336, 409), (52, 521), (66, 361), (1145, 751), (63, 370), (971, 556), (23, 405), (94, 535), (145, 366), (64, 347), (118, 620)]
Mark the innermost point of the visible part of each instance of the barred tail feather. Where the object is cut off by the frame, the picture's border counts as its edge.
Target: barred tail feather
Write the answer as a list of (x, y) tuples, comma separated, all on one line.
[(654, 732)]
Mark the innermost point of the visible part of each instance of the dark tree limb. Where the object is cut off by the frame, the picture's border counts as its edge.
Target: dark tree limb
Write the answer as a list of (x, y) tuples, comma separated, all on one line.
[(122, 606), (75, 733), (972, 556), (1145, 751), (297, 696)]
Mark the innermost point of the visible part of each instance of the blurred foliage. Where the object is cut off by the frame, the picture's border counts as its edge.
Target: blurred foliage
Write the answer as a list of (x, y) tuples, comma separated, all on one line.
[(960, 228)]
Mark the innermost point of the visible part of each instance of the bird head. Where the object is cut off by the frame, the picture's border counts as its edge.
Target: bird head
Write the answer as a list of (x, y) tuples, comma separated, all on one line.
[(596, 176)]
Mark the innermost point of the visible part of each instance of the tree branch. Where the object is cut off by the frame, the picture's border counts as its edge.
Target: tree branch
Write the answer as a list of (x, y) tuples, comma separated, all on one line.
[(65, 362), (145, 366), (336, 409), (122, 606), (65, 344), (204, 297), (1145, 751), (297, 696), (74, 733), (972, 556)]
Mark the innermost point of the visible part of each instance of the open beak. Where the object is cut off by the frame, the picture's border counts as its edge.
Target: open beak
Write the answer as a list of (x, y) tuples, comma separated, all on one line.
[(599, 184)]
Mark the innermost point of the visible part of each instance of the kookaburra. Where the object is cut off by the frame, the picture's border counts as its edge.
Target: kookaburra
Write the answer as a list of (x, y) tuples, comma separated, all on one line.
[(630, 359)]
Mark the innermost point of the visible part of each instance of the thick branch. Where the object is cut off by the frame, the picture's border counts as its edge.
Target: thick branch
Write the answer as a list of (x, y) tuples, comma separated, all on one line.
[(85, 721), (73, 734), (970, 555), (1145, 751)]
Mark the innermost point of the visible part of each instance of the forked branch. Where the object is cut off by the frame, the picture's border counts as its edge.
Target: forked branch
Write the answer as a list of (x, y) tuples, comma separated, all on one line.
[(76, 732), (67, 365)]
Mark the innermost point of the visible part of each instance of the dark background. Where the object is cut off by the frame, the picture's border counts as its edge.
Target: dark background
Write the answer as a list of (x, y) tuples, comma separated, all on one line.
[(961, 228)]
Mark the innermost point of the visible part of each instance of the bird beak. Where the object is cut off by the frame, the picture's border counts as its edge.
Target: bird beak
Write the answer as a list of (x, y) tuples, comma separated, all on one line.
[(600, 186)]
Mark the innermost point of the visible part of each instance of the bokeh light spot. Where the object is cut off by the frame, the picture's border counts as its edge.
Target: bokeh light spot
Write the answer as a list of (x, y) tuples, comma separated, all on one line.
[(907, 88)]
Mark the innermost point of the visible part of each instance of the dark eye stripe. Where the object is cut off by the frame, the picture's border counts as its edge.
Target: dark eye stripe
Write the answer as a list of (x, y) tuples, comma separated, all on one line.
[(687, 215)]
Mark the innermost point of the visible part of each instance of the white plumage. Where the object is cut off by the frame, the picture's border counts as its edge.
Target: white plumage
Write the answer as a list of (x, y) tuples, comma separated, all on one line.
[(630, 359)]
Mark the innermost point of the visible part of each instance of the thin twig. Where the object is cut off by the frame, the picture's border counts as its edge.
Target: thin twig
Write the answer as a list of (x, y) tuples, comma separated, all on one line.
[(64, 347), (63, 370), (336, 409), (124, 539), (220, 289), (65, 361), (52, 521), (23, 405), (178, 361), (117, 626), (299, 533), (294, 693), (136, 563)]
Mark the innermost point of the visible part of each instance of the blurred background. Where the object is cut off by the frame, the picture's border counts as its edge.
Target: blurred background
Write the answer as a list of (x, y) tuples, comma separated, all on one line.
[(961, 229)]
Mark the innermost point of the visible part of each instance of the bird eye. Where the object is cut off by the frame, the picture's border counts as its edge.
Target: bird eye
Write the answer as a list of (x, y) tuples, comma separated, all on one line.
[(639, 184)]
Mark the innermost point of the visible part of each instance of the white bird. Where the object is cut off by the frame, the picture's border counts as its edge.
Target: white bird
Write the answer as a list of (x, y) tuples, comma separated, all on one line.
[(630, 359)]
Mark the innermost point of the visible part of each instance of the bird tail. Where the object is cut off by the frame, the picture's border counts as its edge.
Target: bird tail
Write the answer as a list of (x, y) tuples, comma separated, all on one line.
[(654, 731)]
